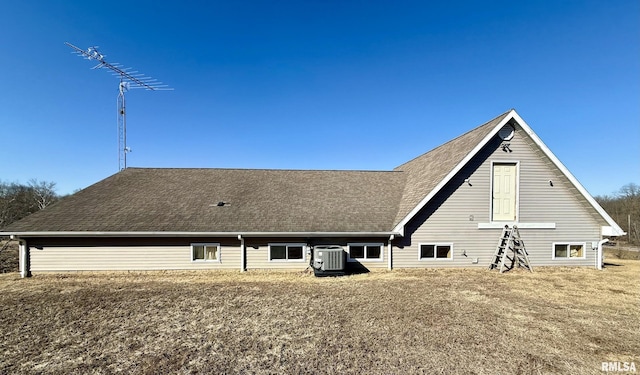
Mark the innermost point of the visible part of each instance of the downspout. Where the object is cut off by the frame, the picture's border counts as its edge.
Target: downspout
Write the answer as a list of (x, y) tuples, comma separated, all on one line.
[(390, 253), (23, 258), (243, 254), (600, 255)]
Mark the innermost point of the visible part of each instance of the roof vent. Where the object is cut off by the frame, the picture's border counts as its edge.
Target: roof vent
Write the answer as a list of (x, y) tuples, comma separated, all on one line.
[(219, 204)]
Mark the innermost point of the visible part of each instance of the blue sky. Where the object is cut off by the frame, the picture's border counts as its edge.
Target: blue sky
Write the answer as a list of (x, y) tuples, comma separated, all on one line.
[(315, 84)]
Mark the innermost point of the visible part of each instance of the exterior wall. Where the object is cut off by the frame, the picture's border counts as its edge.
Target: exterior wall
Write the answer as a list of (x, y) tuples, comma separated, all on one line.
[(258, 252), (128, 254), (91, 254), (456, 213)]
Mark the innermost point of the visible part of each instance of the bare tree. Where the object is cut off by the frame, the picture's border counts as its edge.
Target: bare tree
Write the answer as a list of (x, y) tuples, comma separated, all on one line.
[(630, 196), (18, 201), (15, 203), (629, 191), (43, 192), (624, 208)]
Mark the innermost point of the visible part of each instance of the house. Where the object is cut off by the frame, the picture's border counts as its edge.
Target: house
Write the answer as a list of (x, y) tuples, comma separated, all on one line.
[(445, 208)]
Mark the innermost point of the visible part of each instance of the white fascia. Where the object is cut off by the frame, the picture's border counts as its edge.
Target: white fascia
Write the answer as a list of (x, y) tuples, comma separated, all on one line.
[(612, 230), (198, 234)]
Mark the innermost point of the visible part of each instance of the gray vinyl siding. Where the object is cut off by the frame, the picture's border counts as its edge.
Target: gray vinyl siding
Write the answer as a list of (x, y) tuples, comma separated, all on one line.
[(127, 255), (258, 252), (455, 213), (368, 264)]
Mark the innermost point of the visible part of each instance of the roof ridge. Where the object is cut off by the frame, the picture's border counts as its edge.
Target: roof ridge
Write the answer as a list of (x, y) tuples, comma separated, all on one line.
[(259, 169)]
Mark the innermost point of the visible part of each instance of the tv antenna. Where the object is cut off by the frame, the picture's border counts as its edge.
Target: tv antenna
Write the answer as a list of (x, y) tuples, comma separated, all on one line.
[(129, 79)]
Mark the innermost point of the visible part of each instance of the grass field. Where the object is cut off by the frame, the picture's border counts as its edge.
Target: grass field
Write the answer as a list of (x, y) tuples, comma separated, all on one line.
[(555, 320)]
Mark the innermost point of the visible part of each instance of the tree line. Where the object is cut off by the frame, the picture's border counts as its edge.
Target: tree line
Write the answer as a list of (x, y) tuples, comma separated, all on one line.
[(19, 200), (624, 207)]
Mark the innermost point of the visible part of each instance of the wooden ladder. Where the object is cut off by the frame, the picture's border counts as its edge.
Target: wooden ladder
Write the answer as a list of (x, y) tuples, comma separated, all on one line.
[(510, 252)]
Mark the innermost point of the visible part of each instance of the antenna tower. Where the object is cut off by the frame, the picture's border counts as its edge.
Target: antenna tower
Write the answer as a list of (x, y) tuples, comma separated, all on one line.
[(129, 79)]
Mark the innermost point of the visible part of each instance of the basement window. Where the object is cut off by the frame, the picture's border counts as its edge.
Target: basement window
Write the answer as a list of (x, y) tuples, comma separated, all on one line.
[(286, 252), (365, 251), (569, 250), (208, 252), (436, 251)]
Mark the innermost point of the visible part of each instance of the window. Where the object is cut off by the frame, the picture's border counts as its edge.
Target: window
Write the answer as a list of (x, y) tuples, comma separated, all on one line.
[(209, 252), (430, 251), (568, 250), (286, 252), (365, 251)]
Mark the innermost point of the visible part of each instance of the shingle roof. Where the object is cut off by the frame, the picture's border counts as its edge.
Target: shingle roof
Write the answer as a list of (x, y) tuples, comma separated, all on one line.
[(186, 200)]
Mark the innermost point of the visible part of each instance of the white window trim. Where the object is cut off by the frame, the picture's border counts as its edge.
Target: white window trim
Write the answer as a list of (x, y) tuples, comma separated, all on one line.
[(365, 259), (517, 208), (569, 243), (450, 244), (287, 245), (218, 257)]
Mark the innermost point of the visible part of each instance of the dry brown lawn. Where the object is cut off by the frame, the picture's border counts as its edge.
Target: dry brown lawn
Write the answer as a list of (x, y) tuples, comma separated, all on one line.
[(555, 320)]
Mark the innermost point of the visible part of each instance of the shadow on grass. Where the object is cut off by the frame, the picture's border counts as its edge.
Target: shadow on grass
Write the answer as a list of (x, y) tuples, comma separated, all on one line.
[(352, 268), (356, 268)]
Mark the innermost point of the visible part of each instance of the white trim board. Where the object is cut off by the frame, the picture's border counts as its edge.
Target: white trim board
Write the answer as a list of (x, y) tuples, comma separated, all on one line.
[(198, 234), (500, 225)]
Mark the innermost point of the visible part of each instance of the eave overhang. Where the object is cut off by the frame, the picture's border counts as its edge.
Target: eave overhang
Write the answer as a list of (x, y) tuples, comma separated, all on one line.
[(196, 234)]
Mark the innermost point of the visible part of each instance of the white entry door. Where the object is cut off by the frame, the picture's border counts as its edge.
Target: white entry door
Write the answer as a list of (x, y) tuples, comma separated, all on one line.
[(504, 192)]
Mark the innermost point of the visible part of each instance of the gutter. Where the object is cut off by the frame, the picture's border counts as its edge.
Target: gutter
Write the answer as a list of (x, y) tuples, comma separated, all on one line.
[(199, 234)]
